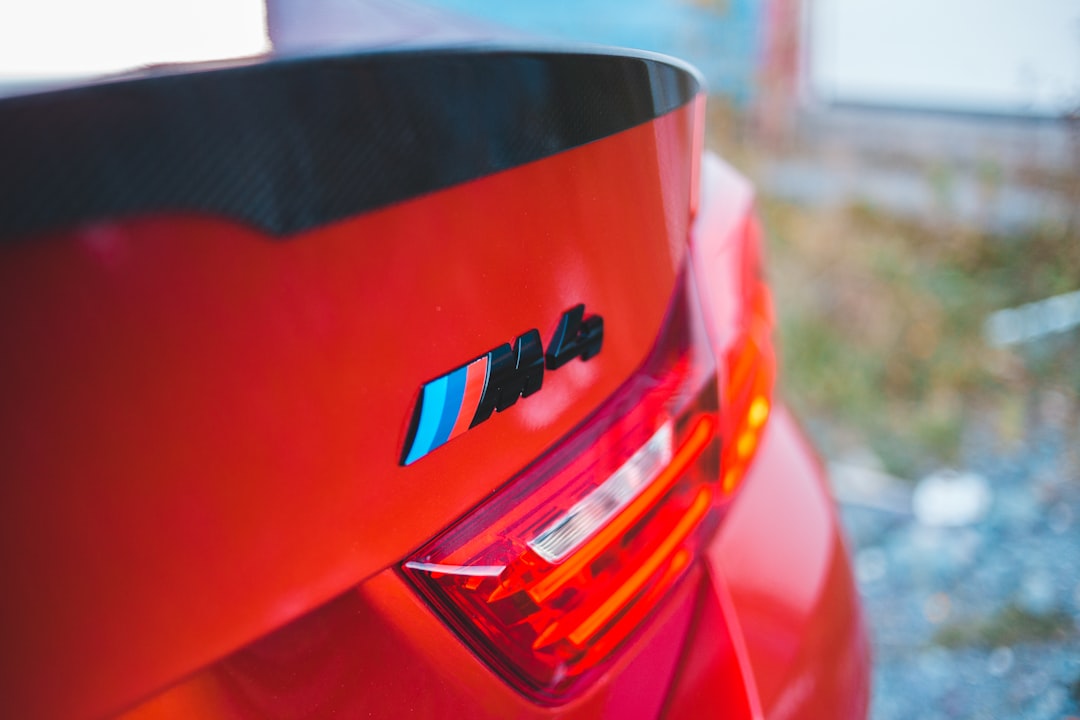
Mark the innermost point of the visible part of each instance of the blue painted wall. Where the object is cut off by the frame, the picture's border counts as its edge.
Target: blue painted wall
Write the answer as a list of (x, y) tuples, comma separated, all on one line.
[(723, 38)]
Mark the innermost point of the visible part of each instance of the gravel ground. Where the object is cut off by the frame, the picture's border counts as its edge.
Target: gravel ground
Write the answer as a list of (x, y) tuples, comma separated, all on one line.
[(976, 615)]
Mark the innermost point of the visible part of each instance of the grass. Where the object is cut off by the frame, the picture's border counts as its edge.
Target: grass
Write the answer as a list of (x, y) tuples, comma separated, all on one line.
[(881, 321), (1009, 626)]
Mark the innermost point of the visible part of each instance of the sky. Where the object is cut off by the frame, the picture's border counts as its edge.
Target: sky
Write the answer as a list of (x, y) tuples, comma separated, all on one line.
[(52, 39)]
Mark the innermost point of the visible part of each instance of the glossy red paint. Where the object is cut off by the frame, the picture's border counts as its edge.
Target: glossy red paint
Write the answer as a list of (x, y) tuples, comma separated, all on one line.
[(195, 406), (203, 508), (378, 651), (792, 593)]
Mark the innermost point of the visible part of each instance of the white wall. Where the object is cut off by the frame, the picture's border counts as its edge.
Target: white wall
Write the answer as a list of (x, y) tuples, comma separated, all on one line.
[(1000, 56)]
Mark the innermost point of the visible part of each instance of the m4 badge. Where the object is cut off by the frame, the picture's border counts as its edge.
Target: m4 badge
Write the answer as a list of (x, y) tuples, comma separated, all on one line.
[(466, 396)]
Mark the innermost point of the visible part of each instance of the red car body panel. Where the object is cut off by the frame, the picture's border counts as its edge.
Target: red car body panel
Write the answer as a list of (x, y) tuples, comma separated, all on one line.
[(203, 508)]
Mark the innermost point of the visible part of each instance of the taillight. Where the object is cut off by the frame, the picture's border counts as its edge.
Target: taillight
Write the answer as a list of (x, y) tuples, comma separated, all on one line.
[(547, 579)]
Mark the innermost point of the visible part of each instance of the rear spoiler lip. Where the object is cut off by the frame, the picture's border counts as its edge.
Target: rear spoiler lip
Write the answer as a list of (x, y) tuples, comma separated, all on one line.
[(289, 143)]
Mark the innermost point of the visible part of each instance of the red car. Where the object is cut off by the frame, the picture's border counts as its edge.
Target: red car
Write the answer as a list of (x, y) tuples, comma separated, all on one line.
[(433, 382)]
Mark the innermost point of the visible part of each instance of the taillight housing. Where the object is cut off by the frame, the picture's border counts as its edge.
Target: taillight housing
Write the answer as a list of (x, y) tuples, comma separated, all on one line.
[(550, 577)]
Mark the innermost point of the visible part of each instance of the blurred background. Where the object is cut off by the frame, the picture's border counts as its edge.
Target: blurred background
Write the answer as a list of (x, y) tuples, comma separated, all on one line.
[(918, 171)]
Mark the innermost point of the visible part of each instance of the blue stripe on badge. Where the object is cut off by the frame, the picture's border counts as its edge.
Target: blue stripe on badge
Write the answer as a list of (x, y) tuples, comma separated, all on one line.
[(431, 413), (455, 393)]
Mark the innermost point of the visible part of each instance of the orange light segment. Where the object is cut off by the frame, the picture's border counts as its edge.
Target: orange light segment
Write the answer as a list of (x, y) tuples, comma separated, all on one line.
[(634, 584)]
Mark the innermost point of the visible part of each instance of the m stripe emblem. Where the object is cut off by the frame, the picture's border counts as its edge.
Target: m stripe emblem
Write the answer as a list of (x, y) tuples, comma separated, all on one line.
[(446, 408), (468, 395)]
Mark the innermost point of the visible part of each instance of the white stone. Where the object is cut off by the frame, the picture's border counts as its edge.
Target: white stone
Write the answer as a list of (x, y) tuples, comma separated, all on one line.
[(948, 498)]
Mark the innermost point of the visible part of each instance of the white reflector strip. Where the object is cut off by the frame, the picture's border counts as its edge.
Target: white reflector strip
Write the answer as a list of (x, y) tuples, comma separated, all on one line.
[(592, 512), (469, 570)]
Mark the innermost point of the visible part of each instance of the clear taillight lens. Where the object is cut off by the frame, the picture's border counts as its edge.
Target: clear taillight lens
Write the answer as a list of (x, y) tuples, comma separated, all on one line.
[(546, 580)]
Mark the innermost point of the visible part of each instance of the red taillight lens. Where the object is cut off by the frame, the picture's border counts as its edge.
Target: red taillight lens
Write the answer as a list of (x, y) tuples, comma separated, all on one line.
[(552, 575)]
